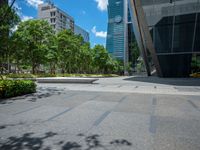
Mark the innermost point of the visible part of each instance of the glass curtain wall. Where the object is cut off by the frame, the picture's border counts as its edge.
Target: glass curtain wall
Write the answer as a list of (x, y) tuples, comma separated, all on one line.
[(115, 36), (175, 30)]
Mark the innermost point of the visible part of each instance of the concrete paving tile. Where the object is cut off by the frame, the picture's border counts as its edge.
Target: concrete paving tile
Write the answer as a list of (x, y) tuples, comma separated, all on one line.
[(188, 128), (173, 111), (140, 99), (99, 142), (58, 118), (98, 105), (169, 100), (42, 113), (112, 97), (63, 142), (73, 122), (132, 107), (164, 142), (17, 107), (187, 89), (167, 125), (123, 124), (48, 140), (187, 143)]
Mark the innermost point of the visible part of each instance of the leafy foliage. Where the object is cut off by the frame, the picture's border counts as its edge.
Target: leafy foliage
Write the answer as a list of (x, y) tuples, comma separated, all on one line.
[(11, 88), (64, 52), (7, 23), (196, 64), (28, 76), (34, 36), (35, 47)]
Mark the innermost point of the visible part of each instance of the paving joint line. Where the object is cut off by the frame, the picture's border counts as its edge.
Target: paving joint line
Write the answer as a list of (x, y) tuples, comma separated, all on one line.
[(93, 98), (193, 105), (153, 119), (122, 99), (27, 110), (101, 118), (59, 114)]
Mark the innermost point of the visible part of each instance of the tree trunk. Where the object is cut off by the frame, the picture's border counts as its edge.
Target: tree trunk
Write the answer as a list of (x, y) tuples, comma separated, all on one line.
[(34, 68)]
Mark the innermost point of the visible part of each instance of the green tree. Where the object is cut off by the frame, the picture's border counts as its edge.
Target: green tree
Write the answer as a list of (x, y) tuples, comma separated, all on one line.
[(34, 35), (65, 50), (69, 49), (134, 52), (86, 59), (8, 20), (52, 54), (103, 61)]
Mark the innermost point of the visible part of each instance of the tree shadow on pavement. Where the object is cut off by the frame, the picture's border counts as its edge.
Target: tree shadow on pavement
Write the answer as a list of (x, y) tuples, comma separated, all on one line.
[(167, 81), (26, 142), (41, 93), (4, 126), (93, 142), (29, 142)]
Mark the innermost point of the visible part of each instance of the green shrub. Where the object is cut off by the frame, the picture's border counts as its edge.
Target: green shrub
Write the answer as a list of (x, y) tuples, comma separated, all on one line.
[(20, 76), (87, 75), (45, 75), (11, 88), (30, 75), (58, 75)]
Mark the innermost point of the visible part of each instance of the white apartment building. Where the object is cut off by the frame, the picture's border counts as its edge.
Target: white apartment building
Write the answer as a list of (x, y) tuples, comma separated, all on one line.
[(58, 19)]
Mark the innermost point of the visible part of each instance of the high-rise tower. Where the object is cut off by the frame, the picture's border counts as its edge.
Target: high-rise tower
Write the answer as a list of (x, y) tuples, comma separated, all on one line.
[(120, 33)]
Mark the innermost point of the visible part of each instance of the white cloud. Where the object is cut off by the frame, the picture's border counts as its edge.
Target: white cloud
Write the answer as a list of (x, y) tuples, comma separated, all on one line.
[(34, 3), (101, 34), (25, 18), (102, 4)]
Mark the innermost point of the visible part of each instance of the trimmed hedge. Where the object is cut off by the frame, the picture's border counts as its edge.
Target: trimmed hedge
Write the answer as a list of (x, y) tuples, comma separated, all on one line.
[(20, 76), (12, 88), (58, 75)]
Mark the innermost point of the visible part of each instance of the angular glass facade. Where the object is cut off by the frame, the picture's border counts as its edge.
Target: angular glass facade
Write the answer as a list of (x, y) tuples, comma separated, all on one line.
[(115, 33), (119, 33), (175, 31)]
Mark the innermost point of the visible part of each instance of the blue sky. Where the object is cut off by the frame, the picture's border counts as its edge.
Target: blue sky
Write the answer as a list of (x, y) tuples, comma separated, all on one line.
[(89, 14)]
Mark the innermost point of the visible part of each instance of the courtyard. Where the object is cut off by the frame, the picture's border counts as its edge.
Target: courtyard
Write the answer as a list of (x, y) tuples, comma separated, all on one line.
[(122, 113)]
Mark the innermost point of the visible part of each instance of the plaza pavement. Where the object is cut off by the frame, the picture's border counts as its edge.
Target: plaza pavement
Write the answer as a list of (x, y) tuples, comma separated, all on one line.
[(124, 113)]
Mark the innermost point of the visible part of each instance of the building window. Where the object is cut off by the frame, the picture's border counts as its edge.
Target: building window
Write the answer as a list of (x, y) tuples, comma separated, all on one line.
[(53, 14), (45, 8), (53, 20)]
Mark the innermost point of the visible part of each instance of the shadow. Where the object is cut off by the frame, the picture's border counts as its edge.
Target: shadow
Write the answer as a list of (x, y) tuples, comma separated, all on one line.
[(40, 94), (4, 126), (26, 142), (167, 81), (71, 146), (93, 142), (29, 142)]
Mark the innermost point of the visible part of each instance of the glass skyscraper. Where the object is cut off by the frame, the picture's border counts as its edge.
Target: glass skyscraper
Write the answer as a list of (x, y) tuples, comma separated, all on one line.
[(168, 34), (115, 34), (119, 33)]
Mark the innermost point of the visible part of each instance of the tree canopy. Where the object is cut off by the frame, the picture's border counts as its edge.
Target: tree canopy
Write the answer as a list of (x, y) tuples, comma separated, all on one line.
[(34, 38), (8, 20), (37, 46)]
